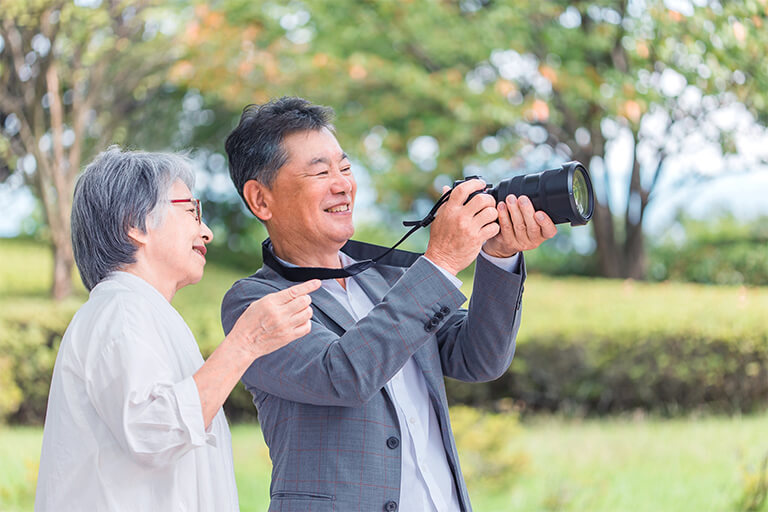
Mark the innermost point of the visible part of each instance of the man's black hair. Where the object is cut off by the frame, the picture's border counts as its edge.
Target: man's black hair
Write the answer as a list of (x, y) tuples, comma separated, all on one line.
[(255, 147)]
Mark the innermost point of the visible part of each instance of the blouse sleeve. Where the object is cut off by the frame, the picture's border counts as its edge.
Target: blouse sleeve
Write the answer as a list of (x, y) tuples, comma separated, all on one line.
[(130, 381)]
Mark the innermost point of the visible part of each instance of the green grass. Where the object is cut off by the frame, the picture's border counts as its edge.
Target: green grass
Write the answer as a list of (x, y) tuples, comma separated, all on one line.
[(619, 464)]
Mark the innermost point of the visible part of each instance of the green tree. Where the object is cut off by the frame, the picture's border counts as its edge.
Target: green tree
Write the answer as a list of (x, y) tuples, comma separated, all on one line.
[(73, 75), (427, 91)]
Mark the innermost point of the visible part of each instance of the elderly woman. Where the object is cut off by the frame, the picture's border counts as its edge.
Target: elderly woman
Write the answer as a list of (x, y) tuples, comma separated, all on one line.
[(134, 417)]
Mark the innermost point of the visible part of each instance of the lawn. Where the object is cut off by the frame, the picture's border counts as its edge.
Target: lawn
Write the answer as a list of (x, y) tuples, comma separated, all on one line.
[(609, 465)]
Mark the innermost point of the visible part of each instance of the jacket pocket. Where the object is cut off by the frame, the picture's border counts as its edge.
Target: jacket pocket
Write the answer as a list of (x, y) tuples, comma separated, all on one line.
[(296, 501)]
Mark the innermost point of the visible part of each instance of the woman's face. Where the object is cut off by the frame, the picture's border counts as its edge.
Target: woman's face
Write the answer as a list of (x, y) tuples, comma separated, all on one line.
[(175, 250)]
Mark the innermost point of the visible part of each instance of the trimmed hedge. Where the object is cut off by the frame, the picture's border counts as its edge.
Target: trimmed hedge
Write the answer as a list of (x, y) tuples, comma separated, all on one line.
[(589, 375)]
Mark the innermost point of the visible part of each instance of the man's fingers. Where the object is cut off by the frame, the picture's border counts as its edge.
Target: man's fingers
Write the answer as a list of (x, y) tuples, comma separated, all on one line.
[(518, 223), (504, 223), (531, 226), (548, 228), (489, 231), (462, 191), (485, 216), (480, 202)]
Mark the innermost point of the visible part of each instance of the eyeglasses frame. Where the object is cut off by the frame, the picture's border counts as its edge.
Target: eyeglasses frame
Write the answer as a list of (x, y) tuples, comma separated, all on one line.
[(198, 207)]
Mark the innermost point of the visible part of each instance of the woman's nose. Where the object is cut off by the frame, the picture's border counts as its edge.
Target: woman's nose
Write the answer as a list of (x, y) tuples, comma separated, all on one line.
[(206, 232)]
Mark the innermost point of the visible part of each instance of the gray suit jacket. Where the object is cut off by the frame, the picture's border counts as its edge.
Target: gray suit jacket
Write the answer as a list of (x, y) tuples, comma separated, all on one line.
[(330, 425)]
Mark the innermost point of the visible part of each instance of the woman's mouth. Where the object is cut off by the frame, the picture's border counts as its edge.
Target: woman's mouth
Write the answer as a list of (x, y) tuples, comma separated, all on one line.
[(200, 249)]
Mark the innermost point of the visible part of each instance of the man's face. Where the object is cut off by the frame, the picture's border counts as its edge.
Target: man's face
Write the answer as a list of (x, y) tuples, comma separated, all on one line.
[(311, 200)]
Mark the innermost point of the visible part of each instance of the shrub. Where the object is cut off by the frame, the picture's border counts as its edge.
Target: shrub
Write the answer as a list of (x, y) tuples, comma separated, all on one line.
[(725, 251), (595, 374), (484, 442), (30, 334)]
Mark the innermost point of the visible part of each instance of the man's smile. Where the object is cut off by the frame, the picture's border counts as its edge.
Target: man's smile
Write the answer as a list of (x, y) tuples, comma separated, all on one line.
[(338, 209)]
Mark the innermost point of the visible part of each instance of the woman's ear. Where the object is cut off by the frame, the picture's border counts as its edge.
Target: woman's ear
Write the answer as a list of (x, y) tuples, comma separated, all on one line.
[(258, 197), (137, 236)]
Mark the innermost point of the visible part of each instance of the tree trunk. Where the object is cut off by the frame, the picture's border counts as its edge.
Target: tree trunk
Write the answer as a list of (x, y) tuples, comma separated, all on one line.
[(63, 261), (608, 254), (62, 175), (635, 260)]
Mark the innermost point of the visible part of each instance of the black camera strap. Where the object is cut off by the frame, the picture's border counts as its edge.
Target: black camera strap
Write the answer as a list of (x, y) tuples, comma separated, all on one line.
[(364, 253)]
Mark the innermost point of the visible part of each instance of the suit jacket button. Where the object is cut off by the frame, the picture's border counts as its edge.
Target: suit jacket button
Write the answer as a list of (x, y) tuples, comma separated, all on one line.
[(439, 315), (393, 442), (390, 506), (445, 310)]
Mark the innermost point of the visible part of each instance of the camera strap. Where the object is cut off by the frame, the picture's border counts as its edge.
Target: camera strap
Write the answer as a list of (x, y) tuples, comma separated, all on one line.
[(363, 252)]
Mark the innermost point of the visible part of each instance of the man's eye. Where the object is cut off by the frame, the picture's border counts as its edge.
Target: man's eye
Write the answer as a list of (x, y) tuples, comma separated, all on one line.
[(322, 173), (347, 170)]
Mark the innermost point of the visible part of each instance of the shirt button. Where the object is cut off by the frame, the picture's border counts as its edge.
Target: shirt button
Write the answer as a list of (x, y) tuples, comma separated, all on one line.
[(412, 419), (390, 506), (393, 442)]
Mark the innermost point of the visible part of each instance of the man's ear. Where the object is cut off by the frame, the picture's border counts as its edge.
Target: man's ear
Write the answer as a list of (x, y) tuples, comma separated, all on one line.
[(258, 197)]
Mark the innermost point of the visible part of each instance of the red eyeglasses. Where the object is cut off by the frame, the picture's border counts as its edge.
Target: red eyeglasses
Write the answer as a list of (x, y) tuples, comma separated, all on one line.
[(198, 207)]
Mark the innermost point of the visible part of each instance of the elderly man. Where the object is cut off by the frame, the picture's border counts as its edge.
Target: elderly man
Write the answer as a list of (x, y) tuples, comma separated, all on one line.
[(355, 413), (134, 418)]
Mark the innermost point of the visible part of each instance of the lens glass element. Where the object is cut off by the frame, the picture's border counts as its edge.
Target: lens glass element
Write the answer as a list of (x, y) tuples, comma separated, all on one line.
[(580, 192)]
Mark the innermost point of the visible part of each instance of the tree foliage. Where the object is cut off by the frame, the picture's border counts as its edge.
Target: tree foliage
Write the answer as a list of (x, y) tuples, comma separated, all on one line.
[(428, 91), (72, 77)]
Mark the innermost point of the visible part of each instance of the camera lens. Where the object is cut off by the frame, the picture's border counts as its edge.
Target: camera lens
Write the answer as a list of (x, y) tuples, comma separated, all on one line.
[(565, 194), (581, 192)]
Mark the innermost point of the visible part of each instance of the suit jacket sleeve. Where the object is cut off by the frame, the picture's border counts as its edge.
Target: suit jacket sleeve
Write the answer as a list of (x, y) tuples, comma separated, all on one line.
[(325, 368), (478, 345)]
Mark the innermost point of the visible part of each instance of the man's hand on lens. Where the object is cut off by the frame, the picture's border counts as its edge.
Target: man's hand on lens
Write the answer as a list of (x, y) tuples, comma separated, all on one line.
[(460, 230), (522, 229)]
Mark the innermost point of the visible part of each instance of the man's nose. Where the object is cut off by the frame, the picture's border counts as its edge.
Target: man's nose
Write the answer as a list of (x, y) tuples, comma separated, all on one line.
[(342, 183)]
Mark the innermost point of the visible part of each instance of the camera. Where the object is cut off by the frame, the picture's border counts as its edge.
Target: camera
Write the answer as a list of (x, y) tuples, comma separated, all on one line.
[(565, 194)]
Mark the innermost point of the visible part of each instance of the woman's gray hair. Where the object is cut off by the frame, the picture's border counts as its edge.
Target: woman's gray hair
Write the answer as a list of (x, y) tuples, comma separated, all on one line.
[(118, 191)]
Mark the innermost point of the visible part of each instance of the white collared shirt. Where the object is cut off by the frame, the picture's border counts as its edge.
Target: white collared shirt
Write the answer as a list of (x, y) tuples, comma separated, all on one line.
[(426, 481), (124, 428)]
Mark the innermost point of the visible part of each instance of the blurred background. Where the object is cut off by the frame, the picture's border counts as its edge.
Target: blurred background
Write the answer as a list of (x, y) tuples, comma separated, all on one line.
[(641, 375)]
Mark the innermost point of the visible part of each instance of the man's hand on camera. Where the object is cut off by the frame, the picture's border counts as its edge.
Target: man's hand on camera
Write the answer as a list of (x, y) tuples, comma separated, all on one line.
[(460, 230), (522, 229)]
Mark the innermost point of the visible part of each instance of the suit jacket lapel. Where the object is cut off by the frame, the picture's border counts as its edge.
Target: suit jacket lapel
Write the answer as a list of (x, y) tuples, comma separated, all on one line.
[(325, 302), (373, 284)]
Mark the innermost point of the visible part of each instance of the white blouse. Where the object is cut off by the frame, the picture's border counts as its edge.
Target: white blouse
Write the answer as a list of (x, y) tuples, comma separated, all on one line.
[(124, 428)]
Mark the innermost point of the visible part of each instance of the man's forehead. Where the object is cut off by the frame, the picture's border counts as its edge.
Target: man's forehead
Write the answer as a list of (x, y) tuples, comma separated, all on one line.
[(313, 147)]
